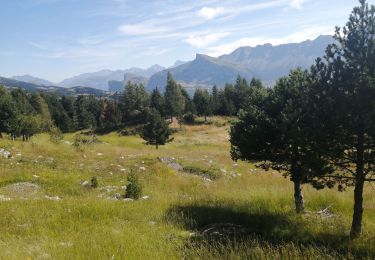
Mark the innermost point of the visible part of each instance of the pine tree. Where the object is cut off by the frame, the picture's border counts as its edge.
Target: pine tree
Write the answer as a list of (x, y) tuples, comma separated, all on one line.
[(202, 102), (134, 103), (174, 100), (348, 92), (8, 111), (156, 131), (111, 115), (277, 132), (157, 101)]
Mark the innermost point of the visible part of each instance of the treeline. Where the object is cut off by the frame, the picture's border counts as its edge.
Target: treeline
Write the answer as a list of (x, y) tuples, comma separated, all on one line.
[(24, 114), (318, 125)]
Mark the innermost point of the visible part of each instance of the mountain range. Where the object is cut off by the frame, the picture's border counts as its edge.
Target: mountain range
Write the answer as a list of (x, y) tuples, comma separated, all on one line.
[(265, 62)]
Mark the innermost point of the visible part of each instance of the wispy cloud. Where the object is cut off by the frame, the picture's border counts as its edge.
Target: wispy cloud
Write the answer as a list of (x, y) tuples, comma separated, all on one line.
[(201, 41), (142, 29), (37, 45), (297, 4), (210, 13)]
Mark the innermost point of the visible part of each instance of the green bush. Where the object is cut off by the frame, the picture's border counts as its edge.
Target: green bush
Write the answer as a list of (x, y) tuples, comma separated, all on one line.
[(134, 188), (80, 139), (55, 135), (94, 182), (189, 118)]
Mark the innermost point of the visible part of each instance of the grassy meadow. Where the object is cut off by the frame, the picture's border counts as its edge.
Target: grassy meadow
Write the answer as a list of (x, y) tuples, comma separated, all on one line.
[(47, 214)]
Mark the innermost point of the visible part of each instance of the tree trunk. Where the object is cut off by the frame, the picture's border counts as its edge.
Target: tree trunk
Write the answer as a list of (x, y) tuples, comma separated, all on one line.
[(157, 146), (356, 229), (298, 197), (1, 135)]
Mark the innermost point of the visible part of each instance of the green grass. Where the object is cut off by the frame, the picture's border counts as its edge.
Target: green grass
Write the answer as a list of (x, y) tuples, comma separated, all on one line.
[(88, 224)]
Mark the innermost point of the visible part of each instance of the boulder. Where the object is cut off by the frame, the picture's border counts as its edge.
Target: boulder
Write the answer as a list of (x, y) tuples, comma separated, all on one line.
[(4, 153)]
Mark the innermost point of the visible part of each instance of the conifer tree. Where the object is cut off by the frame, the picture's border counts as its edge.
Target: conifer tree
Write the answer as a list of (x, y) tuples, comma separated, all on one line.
[(156, 131), (174, 100)]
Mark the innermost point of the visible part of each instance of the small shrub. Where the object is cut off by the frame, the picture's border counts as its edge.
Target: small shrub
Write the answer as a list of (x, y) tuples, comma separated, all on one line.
[(55, 135), (94, 182), (80, 139), (134, 188), (129, 131), (189, 118)]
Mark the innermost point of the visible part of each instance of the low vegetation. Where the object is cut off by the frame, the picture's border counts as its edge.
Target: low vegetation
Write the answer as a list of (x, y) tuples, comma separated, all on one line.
[(47, 213)]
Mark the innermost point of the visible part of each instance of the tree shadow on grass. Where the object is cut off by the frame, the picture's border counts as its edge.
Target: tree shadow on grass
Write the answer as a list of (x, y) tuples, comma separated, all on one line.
[(232, 224)]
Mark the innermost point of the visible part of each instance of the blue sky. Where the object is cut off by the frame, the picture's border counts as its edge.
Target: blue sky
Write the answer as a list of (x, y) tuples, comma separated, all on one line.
[(56, 39)]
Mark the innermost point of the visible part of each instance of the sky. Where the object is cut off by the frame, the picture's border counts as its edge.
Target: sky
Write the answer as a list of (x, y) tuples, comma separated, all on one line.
[(56, 39)]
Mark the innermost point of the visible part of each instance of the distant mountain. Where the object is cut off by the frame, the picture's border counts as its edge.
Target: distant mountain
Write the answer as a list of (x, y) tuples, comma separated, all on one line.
[(33, 80), (30, 87), (97, 79), (271, 62), (178, 63), (101, 78), (204, 71), (266, 62)]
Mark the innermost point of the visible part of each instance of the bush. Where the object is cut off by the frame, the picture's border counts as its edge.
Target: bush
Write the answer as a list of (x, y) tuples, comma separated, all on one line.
[(94, 182), (189, 118), (130, 131), (134, 188), (80, 139), (55, 135)]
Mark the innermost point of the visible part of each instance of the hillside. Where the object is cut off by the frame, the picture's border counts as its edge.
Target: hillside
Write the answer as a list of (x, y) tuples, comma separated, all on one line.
[(33, 80), (30, 87)]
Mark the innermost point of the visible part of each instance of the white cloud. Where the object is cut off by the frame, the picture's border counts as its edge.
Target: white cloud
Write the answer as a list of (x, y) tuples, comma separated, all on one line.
[(201, 41), (307, 33), (142, 29), (297, 4), (210, 13)]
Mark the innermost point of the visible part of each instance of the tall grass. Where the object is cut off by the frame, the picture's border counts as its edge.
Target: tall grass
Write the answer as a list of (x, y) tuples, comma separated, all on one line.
[(89, 223)]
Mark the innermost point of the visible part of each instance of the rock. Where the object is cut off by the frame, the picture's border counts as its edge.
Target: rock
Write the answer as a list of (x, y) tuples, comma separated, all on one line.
[(3, 198), (22, 189), (142, 168), (36, 176), (235, 164), (99, 154), (67, 142), (55, 198), (128, 199), (122, 170), (223, 170), (4, 153), (145, 197), (170, 162), (85, 183), (117, 196)]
